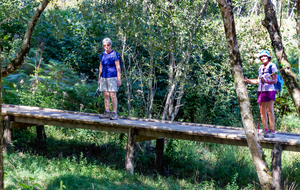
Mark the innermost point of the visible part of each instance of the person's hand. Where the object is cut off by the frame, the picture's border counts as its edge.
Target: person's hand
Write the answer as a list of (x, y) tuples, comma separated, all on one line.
[(247, 80), (119, 82), (98, 82), (262, 79)]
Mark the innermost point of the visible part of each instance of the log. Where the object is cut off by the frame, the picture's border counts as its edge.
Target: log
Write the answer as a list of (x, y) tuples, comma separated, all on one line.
[(276, 165), (129, 160), (7, 135), (140, 138), (41, 136), (159, 150), (14, 125)]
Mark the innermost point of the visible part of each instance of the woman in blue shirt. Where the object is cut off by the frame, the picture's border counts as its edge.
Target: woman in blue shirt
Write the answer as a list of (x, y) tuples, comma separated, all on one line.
[(109, 78)]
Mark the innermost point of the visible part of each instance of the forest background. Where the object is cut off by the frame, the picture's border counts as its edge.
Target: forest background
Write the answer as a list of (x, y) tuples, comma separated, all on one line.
[(176, 67)]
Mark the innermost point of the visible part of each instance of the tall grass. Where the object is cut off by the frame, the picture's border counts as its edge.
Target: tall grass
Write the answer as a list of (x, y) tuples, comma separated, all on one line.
[(86, 159)]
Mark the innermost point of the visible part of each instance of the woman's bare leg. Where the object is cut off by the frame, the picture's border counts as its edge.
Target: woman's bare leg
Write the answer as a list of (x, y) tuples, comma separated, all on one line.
[(263, 115), (106, 100), (269, 107), (114, 99)]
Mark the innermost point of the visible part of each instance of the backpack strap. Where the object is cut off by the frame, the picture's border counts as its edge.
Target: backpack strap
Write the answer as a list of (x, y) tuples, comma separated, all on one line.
[(101, 56), (259, 69), (270, 69), (115, 55)]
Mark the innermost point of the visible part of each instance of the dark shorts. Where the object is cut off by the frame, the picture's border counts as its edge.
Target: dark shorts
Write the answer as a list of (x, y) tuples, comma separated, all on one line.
[(266, 96)]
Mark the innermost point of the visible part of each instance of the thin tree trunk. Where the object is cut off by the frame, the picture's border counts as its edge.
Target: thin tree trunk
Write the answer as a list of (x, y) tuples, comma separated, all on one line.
[(17, 62), (127, 76), (170, 80), (298, 30), (281, 10), (270, 22), (1, 129), (288, 9), (254, 8), (291, 15), (242, 95), (152, 81), (178, 101), (152, 87)]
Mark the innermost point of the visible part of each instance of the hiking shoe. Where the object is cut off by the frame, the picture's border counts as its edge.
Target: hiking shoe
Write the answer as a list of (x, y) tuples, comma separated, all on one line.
[(263, 133), (114, 116), (106, 115), (269, 134)]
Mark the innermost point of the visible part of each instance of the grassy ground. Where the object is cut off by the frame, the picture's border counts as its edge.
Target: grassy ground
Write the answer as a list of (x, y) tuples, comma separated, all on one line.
[(85, 159)]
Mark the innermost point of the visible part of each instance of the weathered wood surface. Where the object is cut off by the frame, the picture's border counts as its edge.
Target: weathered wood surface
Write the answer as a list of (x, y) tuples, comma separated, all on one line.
[(155, 128)]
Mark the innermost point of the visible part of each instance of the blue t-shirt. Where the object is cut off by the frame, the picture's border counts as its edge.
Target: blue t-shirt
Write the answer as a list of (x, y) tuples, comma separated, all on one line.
[(108, 64)]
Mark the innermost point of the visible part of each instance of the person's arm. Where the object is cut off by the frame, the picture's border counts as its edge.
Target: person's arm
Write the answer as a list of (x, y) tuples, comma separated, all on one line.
[(100, 71), (251, 81), (118, 73), (269, 81)]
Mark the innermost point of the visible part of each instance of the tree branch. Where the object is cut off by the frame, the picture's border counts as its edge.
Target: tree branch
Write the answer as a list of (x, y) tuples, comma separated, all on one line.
[(16, 63), (4, 21)]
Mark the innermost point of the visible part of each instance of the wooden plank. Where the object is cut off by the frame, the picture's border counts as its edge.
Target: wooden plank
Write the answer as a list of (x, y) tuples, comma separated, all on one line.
[(107, 128), (188, 131), (276, 165), (14, 125), (130, 152), (237, 141), (140, 138)]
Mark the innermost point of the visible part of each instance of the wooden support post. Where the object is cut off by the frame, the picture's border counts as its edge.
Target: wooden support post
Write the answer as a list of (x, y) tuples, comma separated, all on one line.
[(159, 150), (41, 136), (7, 137), (276, 165), (129, 160)]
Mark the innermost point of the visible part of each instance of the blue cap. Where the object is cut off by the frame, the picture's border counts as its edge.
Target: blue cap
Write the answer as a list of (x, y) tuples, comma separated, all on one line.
[(264, 52)]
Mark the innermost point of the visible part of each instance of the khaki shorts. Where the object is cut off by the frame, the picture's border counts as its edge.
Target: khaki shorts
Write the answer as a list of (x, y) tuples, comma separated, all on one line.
[(108, 84)]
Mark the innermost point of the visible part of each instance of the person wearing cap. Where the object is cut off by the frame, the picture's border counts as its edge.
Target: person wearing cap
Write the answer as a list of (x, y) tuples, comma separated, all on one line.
[(109, 78), (266, 92)]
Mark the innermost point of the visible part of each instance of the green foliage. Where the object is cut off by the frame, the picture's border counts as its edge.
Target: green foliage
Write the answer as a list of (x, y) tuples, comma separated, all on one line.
[(290, 123)]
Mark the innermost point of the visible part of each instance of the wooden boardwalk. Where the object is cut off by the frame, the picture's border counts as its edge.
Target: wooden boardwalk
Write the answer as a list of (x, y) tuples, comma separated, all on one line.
[(140, 130)]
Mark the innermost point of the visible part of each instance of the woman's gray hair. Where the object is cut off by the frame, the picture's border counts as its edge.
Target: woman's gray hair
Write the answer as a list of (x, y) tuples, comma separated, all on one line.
[(107, 40)]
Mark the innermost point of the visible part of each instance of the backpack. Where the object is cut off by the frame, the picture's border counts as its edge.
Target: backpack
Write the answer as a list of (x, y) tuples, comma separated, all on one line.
[(114, 54), (278, 85)]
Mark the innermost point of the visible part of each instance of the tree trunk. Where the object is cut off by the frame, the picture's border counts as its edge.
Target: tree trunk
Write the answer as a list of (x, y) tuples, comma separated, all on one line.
[(298, 30), (127, 75), (152, 81), (7, 137), (270, 22), (292, 11), (1, 129), (288, 9), (254, 8), (16, 63), (276, 165), (237, 73)]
